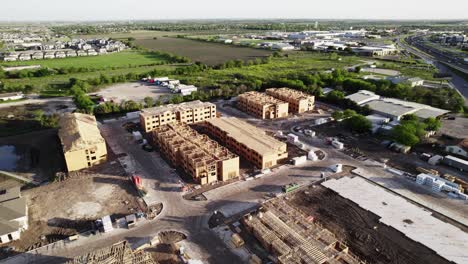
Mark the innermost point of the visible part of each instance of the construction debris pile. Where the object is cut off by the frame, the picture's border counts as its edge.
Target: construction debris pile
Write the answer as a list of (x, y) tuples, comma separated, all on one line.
[(295, 238), (119, 253)]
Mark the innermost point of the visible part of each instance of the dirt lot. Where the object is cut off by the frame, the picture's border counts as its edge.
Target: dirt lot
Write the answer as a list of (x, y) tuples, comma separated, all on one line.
[(19, 119), (61, 209), (360, 229), (39, 154), (135, 91), (205, 52)]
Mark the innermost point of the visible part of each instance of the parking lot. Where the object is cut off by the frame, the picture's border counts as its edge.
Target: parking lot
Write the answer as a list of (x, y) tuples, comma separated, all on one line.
[(135, 91)]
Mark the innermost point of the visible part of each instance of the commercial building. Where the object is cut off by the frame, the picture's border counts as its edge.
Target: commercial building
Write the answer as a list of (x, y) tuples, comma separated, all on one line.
[(189, 113), (298, 101), (202, 158), (394, 108), (13, 215), (82, 143), (362, 97), (247, 141), (294, 237), (262, 106)]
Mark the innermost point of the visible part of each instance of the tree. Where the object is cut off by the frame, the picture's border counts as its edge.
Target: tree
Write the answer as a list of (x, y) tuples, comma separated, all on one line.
[(335, 96), (359, 124), (432, 124), (337, 115), (149, 102), (403, 135)]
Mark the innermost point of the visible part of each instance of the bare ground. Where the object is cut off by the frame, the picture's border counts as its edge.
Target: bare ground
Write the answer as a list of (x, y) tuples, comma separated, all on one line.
[(360, 229)]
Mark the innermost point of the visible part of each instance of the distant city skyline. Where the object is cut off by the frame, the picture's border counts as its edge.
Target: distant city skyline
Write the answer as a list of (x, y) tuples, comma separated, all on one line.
[(88, 10)]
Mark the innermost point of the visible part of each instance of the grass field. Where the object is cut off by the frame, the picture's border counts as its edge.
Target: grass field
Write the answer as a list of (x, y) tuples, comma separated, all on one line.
[(297, 62), (208, 53), (120, 59)]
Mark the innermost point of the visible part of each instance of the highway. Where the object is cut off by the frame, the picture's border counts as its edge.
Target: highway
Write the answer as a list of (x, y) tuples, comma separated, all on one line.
[(442, 61)]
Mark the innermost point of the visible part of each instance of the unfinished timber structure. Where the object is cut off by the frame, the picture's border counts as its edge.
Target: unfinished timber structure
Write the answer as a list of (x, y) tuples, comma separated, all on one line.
[(295, 238), (119, 253), (299, 102), (262, 105), (202, 158)]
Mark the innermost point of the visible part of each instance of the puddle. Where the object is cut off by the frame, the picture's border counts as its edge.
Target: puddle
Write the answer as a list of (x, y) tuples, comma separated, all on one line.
[(8, 158)]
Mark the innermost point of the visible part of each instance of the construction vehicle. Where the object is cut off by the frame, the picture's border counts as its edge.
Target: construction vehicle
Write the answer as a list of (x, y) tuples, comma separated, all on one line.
[(138, 182), (290, 187)]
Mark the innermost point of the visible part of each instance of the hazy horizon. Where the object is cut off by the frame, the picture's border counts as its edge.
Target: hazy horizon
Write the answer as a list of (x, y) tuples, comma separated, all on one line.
[(122, 10)]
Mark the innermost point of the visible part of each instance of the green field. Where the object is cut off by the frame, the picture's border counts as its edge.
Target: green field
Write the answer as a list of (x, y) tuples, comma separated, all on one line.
[(205, 52), (296, 62), (117, 60)]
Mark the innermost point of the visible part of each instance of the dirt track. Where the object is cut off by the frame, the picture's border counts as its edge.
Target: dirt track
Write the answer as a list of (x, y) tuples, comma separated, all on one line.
[(361, 230)]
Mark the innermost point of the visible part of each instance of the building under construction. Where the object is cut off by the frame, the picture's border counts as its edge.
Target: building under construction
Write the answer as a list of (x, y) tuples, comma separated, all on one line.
[(202, 158), (262, 106), (247, 141), (294, 237), (299, 102), (82, 143), (119, 253), (189, 113)]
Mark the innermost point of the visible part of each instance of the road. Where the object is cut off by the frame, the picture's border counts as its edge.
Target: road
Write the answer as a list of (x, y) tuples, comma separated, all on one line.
[(443, 63)]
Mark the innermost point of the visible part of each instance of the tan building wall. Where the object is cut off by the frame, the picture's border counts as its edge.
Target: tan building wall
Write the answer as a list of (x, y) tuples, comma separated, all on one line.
[(202, 158), (262, 106), (189, 113), (82, 143), (80, 159), (247, 141), (299, 102)]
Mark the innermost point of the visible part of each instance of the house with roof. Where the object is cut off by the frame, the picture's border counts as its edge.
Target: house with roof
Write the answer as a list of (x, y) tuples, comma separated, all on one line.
[(13, 215), (460, 149)]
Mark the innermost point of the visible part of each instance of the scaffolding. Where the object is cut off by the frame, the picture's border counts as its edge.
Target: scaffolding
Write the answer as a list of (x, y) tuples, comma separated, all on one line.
[(293, 238)]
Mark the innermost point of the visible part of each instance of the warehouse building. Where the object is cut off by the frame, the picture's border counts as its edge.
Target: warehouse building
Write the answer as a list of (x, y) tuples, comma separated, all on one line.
[(262, 106), (202, 158), (82, 143), (298, 101), (394, 108), (189, 113), (247, 141)]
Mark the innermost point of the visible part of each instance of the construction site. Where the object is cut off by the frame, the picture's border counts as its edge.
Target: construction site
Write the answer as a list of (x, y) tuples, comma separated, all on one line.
[(293, 237), (119, 253), (188, 113), (248, 141), (360, 229), (200, 157), (299, 102), (262, 105)]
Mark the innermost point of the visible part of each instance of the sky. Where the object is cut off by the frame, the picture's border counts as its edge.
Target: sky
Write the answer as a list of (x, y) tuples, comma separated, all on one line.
[(93, 10)]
